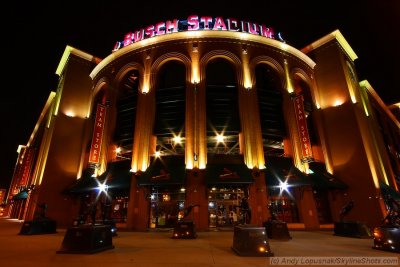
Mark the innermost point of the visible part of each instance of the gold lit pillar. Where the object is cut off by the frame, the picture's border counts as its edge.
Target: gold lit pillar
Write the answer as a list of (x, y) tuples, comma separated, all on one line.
[(250, 118), (144, 124)]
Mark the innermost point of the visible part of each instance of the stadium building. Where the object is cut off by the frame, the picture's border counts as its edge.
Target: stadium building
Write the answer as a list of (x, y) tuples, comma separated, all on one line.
[(208, 111)]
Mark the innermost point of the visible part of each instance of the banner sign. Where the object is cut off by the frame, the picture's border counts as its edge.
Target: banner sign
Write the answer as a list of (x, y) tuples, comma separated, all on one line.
[(97, 135), (302, 128), (26, 166), (197, 23)]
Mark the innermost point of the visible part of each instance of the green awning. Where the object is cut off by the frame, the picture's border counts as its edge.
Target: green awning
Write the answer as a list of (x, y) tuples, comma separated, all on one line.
[(322, 179), (228, 173), (281, 169), (20, 195), (166, 170), (85, 184), (387, 191), (118, 177)]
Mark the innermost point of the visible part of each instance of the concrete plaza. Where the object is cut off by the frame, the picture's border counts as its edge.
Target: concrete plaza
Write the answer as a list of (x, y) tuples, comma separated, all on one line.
[(146, 249)]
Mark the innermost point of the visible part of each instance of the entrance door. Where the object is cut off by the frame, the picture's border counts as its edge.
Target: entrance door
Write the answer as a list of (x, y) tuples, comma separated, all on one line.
[(283, 205), (323, 208), (166, 203), (224, 205)]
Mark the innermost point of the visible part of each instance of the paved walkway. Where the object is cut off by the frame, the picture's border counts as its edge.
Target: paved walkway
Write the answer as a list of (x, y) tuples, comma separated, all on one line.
[(146, 249)]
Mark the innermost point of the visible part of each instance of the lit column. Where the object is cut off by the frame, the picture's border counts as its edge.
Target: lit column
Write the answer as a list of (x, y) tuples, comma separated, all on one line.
[(249, 114), (144, 123), (289, 85)]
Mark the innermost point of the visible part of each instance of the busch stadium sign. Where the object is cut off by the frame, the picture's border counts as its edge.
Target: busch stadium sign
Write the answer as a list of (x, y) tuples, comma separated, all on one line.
[(196, 23)]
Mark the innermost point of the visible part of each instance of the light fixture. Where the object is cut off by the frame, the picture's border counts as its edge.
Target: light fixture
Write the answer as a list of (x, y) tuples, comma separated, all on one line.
[(220, 138), (337, 103), (177, 139), (102, 187), (166, 197), (283, 186), (70, 114)]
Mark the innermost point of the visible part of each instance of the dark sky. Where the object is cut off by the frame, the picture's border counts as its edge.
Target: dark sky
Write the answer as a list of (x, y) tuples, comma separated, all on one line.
[(34, 36)]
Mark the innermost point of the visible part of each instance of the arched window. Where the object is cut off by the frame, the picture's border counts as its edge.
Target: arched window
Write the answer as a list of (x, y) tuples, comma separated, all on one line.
[(222, 108), (126, 114), (169, 126), (269, 92)]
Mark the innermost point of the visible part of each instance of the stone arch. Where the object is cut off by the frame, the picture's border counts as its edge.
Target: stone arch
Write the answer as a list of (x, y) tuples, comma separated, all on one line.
[(161, 60), (125, 69), (298, 72), (304, 77), (226, 55), (274, 64), (271, 114), (102, 84)]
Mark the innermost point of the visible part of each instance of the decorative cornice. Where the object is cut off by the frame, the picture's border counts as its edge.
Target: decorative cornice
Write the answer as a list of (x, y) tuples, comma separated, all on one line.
[(335, 35)]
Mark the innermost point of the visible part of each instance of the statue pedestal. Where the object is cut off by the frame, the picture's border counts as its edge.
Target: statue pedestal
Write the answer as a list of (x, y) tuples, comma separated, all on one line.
[(38, 226), (87, 239), (352, 229), (277, 230), (387, 238), (251, 241), (184, 230)]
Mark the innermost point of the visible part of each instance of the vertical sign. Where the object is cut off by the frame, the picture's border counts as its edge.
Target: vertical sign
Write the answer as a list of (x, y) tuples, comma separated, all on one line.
[(26, 166), (16, 182), (2, 195), (97, 134), (302, 127)]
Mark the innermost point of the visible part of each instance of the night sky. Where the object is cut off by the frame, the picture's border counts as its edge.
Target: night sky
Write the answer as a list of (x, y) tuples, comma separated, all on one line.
[(34, 36)]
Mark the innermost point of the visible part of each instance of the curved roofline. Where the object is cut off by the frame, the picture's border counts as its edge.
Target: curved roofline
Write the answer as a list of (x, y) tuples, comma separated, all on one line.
[(202, 34)]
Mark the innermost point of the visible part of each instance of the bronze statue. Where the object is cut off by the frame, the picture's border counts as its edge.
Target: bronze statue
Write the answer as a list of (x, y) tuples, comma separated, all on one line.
[(392, 218), (43, 210), (245, 210), (188, 210), (346, 209)]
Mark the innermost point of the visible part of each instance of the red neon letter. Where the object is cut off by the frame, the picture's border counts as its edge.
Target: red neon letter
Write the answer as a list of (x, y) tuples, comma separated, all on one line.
[(117, 45), (172, 26), (150, 31), (219, 24), (252, 27), (193, 22), (266, 32), (160, 28), (206, 21), (232, 25), (139, 35), (244, 28), (128, 39)]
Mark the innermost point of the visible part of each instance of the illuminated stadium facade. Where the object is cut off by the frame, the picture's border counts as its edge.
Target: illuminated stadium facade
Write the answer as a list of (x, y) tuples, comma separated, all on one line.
[(208, 111)]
